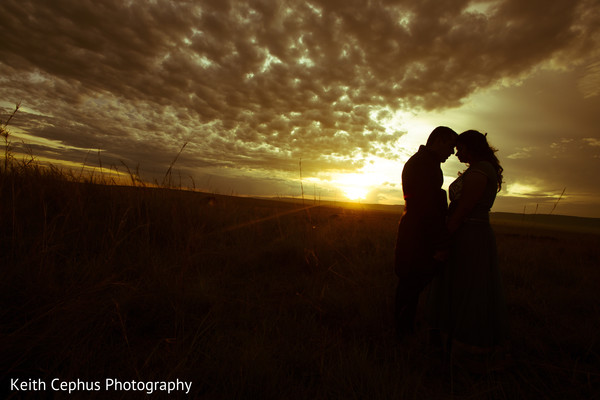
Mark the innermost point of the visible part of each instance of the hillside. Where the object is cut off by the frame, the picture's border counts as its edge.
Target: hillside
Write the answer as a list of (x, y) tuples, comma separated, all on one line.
[(260, 298)]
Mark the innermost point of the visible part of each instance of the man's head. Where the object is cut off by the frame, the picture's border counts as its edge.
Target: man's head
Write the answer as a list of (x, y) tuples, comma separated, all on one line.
[(442, 141)]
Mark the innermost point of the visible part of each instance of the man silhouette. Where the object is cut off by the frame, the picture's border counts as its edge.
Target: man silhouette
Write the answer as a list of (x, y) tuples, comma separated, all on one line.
[(422, 240)]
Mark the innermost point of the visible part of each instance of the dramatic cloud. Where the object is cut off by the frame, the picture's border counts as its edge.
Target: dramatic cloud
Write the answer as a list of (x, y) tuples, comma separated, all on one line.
[(259, 85)]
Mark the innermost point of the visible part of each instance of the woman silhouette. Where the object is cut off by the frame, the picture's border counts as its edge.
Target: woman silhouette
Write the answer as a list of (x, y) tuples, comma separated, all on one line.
[(466, 300)]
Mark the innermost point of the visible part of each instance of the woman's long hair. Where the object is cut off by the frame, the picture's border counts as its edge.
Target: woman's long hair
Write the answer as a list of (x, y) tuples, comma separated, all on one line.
[(477, 145)]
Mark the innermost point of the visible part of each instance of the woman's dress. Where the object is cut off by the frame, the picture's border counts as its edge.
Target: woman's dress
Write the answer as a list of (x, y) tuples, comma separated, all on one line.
[(467, 298)]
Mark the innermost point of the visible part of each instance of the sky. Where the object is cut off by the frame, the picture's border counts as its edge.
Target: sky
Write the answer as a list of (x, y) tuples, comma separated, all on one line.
[(321, 98)]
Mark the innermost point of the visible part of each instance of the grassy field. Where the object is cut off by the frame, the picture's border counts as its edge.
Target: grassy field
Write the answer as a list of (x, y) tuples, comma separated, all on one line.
[(261, 299)]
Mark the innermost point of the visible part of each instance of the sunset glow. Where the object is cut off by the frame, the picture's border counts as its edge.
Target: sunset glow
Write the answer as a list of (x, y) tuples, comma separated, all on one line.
[(356, 193), (354, 186)]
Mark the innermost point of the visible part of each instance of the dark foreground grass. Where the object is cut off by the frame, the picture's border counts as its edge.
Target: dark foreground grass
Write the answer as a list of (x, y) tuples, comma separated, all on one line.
[(256, 299)]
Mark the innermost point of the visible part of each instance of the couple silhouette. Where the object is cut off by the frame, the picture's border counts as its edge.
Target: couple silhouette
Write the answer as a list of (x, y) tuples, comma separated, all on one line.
[(451, 248)]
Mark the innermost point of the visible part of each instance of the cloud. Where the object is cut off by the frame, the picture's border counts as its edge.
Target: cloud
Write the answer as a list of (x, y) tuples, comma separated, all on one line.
[(522, 153), (589, 84), (566, 163), (593, 142), (261, 84)]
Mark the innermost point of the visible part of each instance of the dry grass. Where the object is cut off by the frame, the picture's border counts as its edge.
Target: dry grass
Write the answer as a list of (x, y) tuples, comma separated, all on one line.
[(261, 299)]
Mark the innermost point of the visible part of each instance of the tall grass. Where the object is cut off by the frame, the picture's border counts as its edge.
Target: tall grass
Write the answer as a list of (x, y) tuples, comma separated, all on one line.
[(151, 282), (5, 133), (252, 298)]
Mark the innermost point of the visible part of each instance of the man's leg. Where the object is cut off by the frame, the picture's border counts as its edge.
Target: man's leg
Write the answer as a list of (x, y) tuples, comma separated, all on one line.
[(408, 291), (407, 299)]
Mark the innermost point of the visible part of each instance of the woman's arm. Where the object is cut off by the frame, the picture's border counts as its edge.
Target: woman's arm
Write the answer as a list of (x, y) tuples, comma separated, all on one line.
[(473, 187)]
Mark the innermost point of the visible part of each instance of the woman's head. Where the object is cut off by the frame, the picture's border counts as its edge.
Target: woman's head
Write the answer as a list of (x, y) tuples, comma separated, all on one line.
[(472, 146)]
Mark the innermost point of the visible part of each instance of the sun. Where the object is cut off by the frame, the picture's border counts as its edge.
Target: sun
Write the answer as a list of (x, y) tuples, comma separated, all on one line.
[(356, 193), (375, 182), (354, 186)]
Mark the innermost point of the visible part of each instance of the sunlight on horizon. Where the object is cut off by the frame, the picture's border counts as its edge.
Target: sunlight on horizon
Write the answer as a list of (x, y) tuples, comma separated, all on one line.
[(518, 189), (376, 173), (355, 186), (356, 193)]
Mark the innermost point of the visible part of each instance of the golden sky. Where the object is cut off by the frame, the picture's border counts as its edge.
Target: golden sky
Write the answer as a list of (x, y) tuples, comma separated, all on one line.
[(350, 88)]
